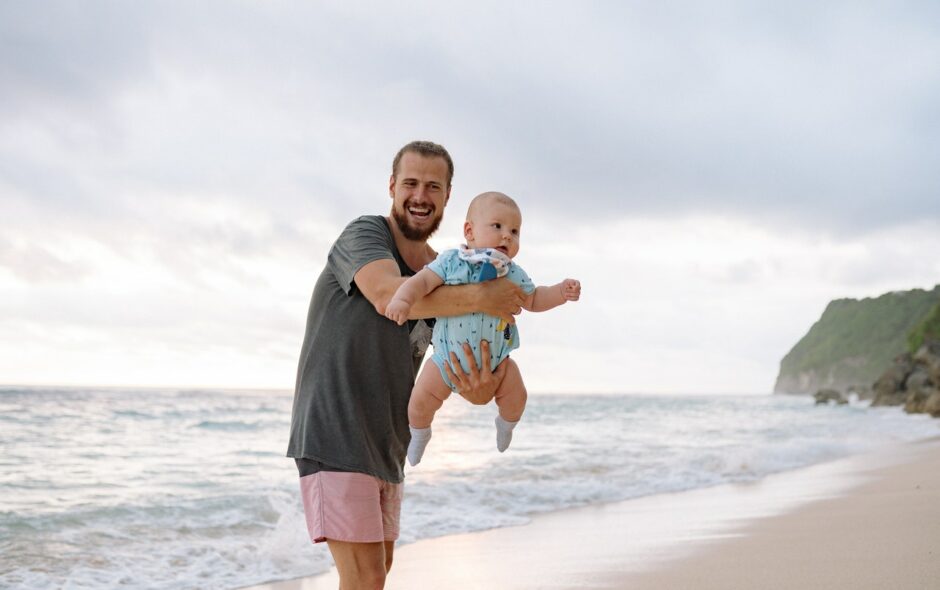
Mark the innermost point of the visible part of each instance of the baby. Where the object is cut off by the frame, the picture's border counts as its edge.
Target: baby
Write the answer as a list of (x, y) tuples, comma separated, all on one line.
[(492, 234)]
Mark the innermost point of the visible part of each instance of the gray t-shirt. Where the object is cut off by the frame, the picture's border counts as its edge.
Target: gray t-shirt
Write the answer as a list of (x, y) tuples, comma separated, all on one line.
[(356, 367)]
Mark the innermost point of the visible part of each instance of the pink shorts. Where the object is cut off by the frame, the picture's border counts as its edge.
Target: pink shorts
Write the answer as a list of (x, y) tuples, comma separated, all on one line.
[(352, 507)]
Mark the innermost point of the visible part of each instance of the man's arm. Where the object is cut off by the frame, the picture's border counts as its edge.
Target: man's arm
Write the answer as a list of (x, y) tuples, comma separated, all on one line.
[(379, 280), (500, 298), (413, 289)]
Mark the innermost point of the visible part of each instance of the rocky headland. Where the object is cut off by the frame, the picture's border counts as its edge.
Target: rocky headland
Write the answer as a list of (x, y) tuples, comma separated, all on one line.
[(886, 349)]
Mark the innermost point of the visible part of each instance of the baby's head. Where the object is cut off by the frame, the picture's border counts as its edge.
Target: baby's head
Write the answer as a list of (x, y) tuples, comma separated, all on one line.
[(493, 221)]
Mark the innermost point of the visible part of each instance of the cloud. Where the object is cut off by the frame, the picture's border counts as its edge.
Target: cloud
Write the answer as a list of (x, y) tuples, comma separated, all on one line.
[(174, 173), (734, 114), (36, 264), (807, 114)]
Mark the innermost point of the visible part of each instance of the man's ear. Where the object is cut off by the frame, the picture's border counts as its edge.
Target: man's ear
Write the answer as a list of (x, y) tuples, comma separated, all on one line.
[(467, 231), (391, 186)]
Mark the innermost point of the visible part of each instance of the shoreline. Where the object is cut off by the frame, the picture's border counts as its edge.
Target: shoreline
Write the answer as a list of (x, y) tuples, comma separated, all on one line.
[(726, 536), (883, 532)]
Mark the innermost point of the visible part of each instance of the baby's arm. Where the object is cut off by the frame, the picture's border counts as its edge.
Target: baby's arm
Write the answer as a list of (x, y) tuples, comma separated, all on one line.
[(416, 287), (545, 298)]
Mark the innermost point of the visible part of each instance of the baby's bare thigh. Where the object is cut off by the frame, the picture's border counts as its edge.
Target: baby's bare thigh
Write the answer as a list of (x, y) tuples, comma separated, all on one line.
[(511, 394), (511, 383), (431, 383)]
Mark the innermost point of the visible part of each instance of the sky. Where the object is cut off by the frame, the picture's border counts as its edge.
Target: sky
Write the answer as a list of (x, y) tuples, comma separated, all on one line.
[(172, 175)]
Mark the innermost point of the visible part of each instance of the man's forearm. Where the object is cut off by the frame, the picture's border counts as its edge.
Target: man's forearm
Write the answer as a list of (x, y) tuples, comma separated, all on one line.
[(416, 287), (447, 300)]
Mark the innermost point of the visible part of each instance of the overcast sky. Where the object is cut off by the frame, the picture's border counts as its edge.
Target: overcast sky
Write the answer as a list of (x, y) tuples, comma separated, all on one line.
[(173, 174)]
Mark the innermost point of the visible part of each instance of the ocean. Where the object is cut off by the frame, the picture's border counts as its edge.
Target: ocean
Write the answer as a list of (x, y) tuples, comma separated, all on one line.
[(178, 489)]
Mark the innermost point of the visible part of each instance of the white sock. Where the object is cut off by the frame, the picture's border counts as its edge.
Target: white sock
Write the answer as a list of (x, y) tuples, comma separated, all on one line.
[(419, 440), (504, 433)]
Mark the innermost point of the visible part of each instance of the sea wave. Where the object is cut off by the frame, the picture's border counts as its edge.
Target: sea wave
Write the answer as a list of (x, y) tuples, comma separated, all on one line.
[(194, 491), (230, 425)]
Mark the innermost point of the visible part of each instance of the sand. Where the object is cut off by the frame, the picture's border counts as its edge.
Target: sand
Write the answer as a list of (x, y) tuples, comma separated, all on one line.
[(871, 521)]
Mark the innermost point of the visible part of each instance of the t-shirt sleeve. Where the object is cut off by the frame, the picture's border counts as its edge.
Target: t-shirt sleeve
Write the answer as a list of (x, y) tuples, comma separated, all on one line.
[(364, 240), (443, 265), (519, 277)]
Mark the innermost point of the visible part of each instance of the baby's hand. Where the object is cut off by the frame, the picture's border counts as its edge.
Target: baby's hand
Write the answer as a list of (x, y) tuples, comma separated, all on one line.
[(397, 311), (571, 289)]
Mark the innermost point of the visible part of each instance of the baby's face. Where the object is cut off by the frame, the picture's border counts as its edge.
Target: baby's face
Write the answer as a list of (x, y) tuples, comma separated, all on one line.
[(495, 225)]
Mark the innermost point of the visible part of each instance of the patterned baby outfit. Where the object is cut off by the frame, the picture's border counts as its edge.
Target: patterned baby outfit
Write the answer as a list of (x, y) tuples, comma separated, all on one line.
[(474, 265)]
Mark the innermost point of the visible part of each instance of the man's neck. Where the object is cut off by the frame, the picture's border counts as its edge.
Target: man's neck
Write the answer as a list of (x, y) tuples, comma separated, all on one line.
[(416, 254)]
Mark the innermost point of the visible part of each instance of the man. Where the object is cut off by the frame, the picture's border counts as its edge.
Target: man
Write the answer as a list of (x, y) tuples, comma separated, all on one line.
[(349, 425)]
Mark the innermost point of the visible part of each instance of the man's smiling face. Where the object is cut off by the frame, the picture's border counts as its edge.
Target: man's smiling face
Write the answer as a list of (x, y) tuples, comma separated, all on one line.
[(419, 192)]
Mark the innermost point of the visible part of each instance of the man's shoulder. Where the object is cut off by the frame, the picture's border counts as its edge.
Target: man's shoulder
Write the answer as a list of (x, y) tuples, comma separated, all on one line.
[(364, 240), (368, 221), (376, 219), (370, 227)]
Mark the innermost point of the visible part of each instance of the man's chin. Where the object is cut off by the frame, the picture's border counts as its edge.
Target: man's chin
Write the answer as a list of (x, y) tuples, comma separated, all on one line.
[(415, 234)]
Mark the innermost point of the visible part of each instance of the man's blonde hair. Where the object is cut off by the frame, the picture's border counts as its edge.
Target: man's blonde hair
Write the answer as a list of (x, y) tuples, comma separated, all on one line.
[(426, 149)]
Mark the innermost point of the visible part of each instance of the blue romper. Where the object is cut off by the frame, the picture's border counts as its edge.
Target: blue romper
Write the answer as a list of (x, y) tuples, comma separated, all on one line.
[(464, 266)]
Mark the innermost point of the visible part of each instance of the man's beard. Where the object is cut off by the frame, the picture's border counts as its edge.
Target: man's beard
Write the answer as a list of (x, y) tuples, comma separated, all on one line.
[(412, 233)]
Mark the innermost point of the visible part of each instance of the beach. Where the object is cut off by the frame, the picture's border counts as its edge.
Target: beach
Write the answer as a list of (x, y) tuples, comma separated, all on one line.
[(596, 490), (867, 521)]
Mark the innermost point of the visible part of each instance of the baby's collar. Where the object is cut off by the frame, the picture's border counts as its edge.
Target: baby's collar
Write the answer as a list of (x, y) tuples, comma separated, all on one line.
[(491, 255)]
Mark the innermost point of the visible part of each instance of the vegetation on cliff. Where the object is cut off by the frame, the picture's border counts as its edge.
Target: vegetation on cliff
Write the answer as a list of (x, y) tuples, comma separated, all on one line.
[(854, 340), (927, 329)]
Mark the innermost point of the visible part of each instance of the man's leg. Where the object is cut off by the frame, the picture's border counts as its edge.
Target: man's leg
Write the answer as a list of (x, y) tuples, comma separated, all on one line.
[(361, 566), (511, 398), (427, 397), (389, 553), (356, 506)]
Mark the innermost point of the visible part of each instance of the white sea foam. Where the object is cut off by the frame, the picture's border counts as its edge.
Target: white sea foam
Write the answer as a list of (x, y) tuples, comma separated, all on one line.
[(190, 489)]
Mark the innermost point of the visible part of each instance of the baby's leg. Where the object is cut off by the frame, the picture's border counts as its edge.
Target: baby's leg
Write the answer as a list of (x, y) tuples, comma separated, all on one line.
[(511, 394), (427, 397), (510, 398)]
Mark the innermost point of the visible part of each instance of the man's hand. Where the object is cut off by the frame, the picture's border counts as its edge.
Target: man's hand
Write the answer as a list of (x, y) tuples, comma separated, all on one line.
[(501, 298), (479, 386), (397, 311), (570, 289)]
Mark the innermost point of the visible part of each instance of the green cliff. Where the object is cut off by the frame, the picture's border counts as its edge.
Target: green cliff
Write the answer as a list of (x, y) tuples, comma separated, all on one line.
[(927, 329), (854, 340)]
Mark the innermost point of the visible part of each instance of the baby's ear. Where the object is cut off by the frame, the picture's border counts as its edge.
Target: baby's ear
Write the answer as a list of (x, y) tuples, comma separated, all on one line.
[(467, 231)]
